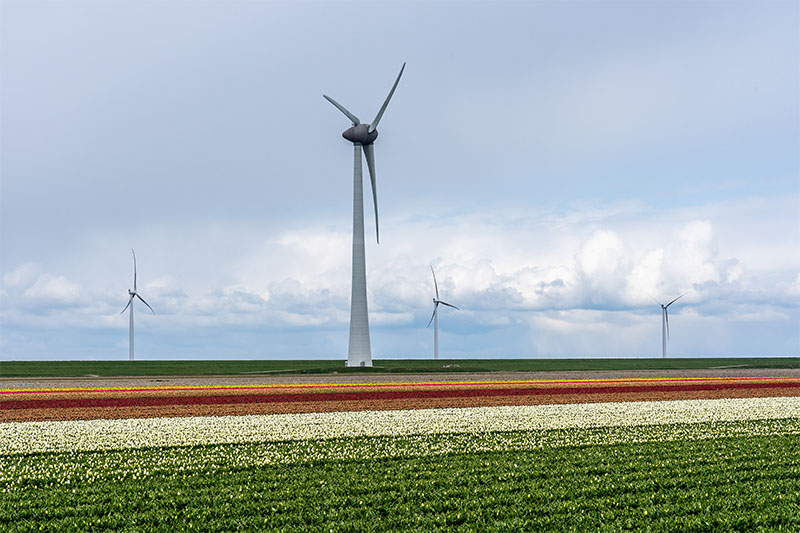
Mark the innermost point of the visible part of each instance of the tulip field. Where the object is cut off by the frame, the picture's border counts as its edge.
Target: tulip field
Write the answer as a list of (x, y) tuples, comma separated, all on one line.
[(661, 454)]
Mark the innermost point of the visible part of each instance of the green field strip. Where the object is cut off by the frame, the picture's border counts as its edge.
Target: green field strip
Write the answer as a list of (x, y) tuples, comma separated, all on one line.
[(733, 483), (17, 369)]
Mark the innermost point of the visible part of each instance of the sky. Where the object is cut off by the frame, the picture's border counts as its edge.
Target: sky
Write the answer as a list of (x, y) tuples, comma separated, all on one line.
[(560, 165)]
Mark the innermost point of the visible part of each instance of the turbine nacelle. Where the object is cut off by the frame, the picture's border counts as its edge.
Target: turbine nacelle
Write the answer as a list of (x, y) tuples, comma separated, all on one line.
[(360, 134)]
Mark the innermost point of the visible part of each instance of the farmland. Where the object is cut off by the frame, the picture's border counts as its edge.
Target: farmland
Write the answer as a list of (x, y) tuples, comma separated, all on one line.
[(13, 369), (691, 453), (733, 483)]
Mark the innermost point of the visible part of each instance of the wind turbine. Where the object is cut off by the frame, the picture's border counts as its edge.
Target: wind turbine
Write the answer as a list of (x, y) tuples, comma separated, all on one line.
[(435, 316), (362, 136), (133, 294), (665, 323)]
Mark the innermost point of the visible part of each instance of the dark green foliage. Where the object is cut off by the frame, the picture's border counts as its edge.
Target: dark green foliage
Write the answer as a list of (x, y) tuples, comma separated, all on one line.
[(222, 367), (725, 484)]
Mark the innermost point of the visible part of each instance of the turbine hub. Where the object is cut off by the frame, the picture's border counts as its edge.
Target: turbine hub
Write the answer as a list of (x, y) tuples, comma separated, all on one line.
[(360, 134)]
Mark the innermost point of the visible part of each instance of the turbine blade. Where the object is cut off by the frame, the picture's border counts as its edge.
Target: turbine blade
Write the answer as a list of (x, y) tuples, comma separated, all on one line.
[(127, 305), (450, 305), (436, 285), (666, 318), (374, 124), (435, 307), (656, 301), (675, 300), (145, 303), (340, 107), (134, 270), (369, 152)]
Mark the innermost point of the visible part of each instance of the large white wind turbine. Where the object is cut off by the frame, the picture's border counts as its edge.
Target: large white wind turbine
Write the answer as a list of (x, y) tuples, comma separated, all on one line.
[(362, 136), (435, 316), (133, 294), (665, 323)]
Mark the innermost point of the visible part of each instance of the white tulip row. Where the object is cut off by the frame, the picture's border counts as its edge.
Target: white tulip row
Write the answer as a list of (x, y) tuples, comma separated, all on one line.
[(88, 435)]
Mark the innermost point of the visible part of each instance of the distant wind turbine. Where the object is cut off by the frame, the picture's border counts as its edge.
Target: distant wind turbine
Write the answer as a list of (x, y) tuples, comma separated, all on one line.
[(435, 316), (133, 294), (362, 136), (665, 323)]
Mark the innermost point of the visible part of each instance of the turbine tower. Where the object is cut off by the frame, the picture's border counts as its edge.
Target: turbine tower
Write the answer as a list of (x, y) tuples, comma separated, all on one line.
[(665, 323), (133, 294), (362, 136), (435, 316)]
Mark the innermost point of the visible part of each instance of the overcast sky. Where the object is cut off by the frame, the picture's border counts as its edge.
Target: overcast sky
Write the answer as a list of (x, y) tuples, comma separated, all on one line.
[(558, 163)]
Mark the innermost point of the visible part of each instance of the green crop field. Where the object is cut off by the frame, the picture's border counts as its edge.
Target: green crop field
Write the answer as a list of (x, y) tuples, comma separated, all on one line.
[(10, 369), (715, 484)]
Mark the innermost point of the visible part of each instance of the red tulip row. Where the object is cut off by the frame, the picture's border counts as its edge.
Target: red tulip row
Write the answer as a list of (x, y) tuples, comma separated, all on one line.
[(89, 403)]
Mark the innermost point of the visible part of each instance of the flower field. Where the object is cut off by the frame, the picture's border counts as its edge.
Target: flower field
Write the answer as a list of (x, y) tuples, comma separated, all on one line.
[(150, 402), (700, 454)]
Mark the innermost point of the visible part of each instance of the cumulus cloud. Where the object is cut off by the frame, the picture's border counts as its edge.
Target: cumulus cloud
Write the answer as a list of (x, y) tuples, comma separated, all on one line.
[(567, 285), (29, 285), (24, 274), (608, 269), (53, 289)]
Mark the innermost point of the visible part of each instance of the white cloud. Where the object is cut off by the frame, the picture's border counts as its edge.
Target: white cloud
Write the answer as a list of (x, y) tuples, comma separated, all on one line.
[(24, 274), (53, 289), (645, 276), (794, 288), (603, 264), (37, 288), (572, 285)]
